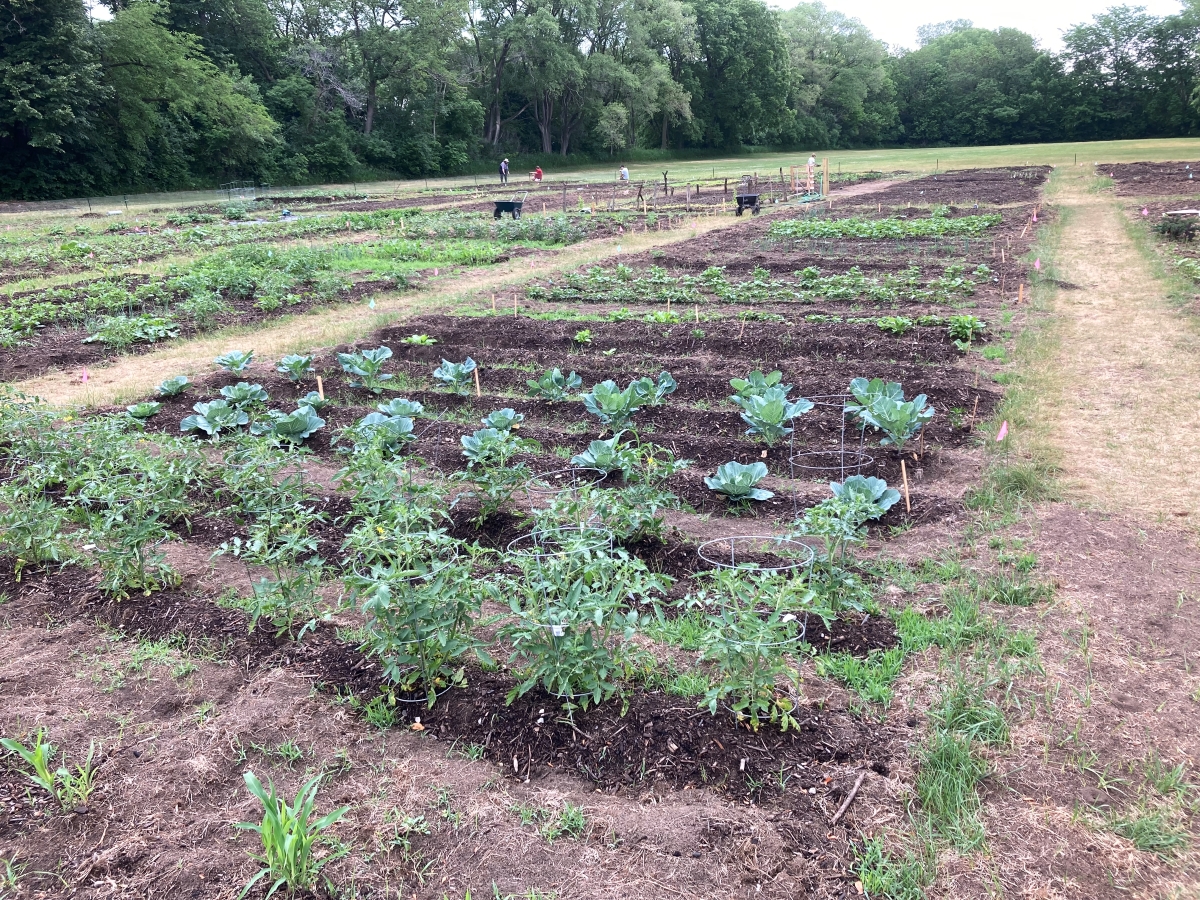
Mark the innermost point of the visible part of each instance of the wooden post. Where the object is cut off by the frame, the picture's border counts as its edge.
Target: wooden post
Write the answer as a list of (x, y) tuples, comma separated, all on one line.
[(1020, 293), (697, 309), (904, 476), (478, 393), (825, 177), (320, 388), (743, 329), (514, 307), (725, 193), (668, 304), (564, 198), (493, 304), (687, 198)]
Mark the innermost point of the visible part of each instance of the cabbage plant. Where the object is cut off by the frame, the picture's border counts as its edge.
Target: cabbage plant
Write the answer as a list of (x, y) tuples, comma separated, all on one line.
[(391, 433), (654, 392), (243, 394), (367, 366), (768, 413), (398, 406), (144, 410), (872, 490), (503, 419), (456, 376), (554, 385), (738, 482), (758, 383), (315, 400), (608, 456), (235, 361), (295, 367), (173, 387), (293, 426), (882, 406), (214, 417)]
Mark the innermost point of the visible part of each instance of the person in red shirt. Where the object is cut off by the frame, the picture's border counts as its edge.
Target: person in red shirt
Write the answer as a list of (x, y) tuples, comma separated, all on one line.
[(537, 174)]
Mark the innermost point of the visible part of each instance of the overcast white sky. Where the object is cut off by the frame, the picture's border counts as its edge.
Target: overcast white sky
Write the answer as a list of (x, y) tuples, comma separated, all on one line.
[(896, 21)]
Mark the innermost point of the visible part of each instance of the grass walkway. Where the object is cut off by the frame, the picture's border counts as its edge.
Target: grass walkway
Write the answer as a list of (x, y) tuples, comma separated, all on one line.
[(1126, 364)]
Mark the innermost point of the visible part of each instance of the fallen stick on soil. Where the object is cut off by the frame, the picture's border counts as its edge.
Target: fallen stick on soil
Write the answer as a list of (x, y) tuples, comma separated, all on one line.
[(904, 476), (849, 798)]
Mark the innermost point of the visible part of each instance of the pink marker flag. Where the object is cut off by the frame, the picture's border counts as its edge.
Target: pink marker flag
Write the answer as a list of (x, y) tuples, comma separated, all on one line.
[(84, 376), (1035, 217), (1003, 432), (1145, 212), (435, 272), (1037, 264)]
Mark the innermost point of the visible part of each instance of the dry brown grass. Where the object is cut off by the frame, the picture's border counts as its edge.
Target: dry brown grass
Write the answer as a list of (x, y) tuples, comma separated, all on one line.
[(1127, 367)]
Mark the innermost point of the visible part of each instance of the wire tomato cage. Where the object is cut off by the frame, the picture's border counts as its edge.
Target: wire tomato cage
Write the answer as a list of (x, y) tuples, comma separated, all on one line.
[(544, 489)]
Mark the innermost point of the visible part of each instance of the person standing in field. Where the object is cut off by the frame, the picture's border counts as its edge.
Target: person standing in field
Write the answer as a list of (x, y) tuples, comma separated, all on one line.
[(504, 171), (812, 171)]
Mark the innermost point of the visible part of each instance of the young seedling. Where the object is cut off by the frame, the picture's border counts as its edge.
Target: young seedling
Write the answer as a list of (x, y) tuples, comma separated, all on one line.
[(419, 340), (367, 366), (214, 417), (173, 387), (295, 367), (768, 413), (144, 410), (554, 385), (456, 376)]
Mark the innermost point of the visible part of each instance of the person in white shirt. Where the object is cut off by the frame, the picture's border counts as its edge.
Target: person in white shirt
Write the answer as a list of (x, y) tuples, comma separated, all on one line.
[(624, 172)]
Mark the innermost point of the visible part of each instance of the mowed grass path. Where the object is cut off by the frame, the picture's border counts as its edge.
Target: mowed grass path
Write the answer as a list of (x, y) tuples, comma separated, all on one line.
[(1126, 364)]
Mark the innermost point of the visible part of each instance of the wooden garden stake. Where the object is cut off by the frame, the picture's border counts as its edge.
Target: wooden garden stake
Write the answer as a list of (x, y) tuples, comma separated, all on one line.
[(1020, 293), (493, 304), (743, 331), (320, 388), (696, 308), (904, 476), (514, 307), (478, 393)]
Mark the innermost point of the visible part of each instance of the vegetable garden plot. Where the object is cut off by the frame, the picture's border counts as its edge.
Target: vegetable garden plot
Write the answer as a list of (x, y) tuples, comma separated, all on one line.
[(1153, 179), (963, 187)]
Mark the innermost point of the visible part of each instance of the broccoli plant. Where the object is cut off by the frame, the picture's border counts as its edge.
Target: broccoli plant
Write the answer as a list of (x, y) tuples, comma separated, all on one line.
[(758, 383), (456, 376), (398, 406), (367, 367), (768, 413), (503, 419), (882, 406), (144, 410), (293, 427), (173, 387), (738, 482), (244, 394), (235, 361), (295, 367), (214, 417), (554, 385)]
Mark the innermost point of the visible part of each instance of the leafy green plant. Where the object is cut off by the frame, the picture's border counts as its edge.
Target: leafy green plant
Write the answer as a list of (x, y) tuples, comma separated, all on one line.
[(652, 392), (583, 336), (756, 383), (749, 618), (289, 836), (244, 394), (295, 366), (314, 400), (872, 490), (419, 340), (738, 482), (398, 406), (607, 456), (456, 376), (127, 551), (503, 419), (612, 406), (897, 325), (235, 361), (419, 622), (964, 330), (144, 410), (367, 366), (214, 417), (293, 427), (489, 455), (554, 385), (882, 406), (31, 530), (173, 387), (389, 433), (934, 226), (767, 413), (121, 332), (70, 788)]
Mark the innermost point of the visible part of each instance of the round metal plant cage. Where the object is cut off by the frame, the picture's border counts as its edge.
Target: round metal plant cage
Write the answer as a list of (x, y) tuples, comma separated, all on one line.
[(559, 481), (734, 552), (449, 556), (837, 460), (567, 540)]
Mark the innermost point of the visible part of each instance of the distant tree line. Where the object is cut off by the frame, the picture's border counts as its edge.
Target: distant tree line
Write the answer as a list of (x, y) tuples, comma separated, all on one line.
[(190, 93)]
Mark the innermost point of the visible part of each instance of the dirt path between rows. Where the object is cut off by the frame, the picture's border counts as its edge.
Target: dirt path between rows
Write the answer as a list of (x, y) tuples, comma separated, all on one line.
[(1128, 365)]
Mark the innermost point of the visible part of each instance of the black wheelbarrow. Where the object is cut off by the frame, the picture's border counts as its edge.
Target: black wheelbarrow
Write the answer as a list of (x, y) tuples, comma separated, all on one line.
[(747, 201), (512, 207)]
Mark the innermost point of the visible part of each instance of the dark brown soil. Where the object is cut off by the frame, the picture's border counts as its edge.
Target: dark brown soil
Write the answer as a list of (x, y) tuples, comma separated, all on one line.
[(1153, 179), (965, 187)]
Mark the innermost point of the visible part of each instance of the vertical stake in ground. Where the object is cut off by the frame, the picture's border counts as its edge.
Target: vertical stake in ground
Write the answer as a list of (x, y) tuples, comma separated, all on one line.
[(320, 388), (904, 478), (493, 304), (478, 392)]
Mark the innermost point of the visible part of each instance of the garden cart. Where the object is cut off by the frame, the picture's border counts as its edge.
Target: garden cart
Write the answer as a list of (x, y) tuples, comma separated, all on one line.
[(512, 207), (747, 201)]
